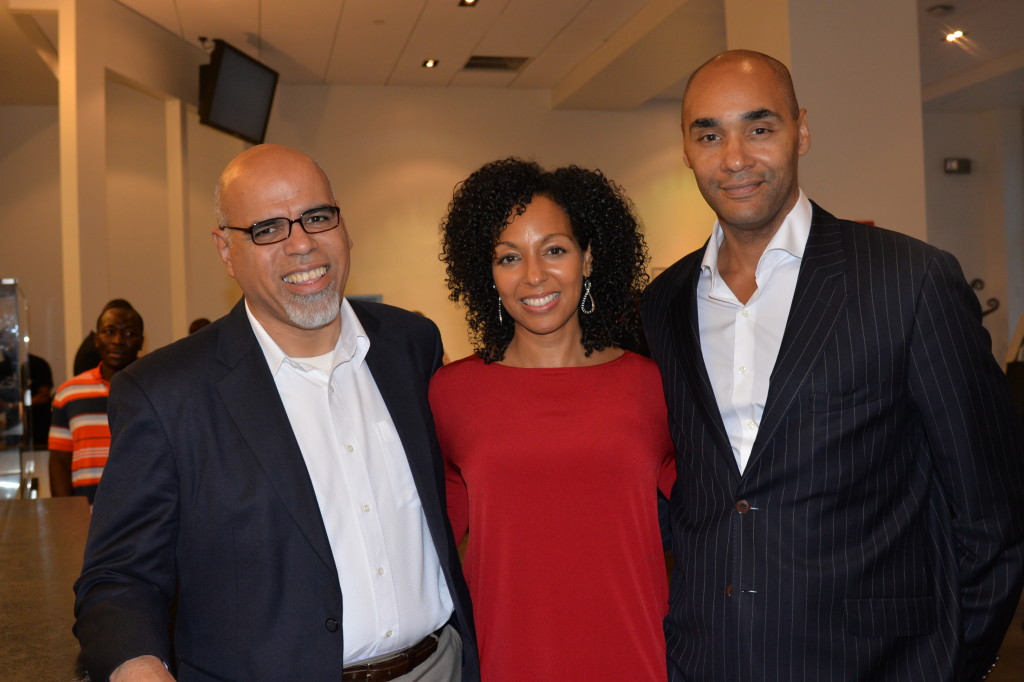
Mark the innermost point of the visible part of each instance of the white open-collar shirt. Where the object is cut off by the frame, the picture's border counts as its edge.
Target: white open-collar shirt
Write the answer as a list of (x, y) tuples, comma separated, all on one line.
[(393, 589), (740, 341)]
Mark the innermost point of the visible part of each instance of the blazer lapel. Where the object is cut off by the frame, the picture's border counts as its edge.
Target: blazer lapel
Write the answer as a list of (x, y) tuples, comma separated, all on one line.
[(686, 334), (819, 299), (251, 399)]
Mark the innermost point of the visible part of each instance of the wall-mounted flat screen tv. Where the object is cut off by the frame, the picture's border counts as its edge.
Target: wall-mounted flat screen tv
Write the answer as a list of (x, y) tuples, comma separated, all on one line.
[(236, 92)]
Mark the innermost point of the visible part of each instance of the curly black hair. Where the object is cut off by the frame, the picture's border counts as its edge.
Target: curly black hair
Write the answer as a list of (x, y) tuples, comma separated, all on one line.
[(602, 219)]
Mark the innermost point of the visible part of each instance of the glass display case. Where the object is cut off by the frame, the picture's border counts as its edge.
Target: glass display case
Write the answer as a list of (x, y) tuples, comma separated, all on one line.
[(15, 475)]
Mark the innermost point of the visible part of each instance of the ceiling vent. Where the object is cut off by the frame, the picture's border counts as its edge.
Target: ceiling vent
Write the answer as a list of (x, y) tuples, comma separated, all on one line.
[(511, 64), (940, 10)]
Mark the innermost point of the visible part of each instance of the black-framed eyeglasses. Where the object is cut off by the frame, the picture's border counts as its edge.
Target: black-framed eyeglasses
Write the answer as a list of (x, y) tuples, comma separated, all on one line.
[(273, 230)]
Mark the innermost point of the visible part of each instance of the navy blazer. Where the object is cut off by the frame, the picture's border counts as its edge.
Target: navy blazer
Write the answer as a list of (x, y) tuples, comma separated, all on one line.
[(206, 499), (877, 530)]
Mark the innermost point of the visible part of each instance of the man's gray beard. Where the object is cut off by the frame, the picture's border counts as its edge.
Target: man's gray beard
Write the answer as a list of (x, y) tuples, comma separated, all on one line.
[(312, 311)]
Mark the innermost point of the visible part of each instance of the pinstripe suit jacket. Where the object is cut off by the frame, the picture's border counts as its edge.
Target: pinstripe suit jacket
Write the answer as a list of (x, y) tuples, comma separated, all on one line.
[(876, 532)]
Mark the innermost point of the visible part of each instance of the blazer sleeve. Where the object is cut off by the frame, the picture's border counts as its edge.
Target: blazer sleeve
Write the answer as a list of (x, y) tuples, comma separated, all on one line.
[(129, 573), (978, 452)]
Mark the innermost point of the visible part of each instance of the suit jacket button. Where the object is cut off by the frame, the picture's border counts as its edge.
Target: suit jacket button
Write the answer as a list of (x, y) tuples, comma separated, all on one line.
[(742, 506), (728, 590), (332, 625)]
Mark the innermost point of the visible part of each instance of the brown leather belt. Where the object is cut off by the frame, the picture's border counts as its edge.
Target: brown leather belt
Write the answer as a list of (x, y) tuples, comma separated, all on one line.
[(395, 665)]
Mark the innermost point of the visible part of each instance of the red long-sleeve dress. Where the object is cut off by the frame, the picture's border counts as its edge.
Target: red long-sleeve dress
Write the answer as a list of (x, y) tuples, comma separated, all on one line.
[(555, 473)]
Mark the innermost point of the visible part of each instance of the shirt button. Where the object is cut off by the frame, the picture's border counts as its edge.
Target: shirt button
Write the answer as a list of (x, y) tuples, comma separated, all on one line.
[(750, 424), (389, 633), (331, 624), (380, 570), (746, 312), (349, 448), (365, 507), (742, 369)]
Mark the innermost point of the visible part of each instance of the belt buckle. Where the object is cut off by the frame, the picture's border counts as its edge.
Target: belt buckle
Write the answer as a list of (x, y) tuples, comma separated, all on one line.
[(396, 665)]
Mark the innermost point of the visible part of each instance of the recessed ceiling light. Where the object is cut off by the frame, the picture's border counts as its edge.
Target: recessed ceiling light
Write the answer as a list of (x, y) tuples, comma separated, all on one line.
[(467, 3), (955, 36), (430, 63)]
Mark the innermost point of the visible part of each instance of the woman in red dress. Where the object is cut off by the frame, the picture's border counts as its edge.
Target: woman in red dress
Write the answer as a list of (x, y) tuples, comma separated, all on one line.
[(555, 437)]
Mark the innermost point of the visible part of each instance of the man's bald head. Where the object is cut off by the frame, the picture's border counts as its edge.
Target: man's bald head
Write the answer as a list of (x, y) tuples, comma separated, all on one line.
[(744, 59), (255, 162)]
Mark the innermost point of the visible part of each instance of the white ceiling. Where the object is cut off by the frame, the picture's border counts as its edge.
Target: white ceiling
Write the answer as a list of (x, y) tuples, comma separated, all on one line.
[(602, 54), (374, 42)]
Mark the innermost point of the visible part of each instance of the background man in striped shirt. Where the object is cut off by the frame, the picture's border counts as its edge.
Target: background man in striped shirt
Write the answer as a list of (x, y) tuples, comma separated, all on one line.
[(79, 434)]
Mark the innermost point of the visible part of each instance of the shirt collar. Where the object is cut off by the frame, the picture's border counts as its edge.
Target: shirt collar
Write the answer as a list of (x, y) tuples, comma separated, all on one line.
[(352, 343), (791, 236)]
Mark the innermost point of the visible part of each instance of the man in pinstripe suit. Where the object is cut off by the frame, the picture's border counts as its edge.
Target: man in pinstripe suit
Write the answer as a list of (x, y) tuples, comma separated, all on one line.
[(851, 472)]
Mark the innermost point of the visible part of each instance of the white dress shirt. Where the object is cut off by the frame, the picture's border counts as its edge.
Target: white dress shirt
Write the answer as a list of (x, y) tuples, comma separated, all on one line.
[(740, 341), (394, 592)]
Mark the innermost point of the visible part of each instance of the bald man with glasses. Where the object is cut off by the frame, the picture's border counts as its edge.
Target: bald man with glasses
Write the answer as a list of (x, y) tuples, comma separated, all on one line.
[(276, 475)]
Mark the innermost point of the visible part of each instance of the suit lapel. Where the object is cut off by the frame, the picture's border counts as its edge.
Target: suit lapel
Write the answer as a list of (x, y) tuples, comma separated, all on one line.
[(251, 399), (686, 334), (819, 299)]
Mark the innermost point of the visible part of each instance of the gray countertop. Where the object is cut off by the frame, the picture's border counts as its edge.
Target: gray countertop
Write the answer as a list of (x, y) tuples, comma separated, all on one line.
[(41, 546)]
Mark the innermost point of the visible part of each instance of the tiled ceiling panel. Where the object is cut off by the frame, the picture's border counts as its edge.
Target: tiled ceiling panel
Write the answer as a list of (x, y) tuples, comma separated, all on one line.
[(298, 37), (445, 32), (370, 38), (589, 28)]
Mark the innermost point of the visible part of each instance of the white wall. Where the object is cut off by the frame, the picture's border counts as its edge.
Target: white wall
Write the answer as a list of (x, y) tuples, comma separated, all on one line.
[(30, 248), (859, 78), (136, 228), (975, 217), (210, 292), (137, 221), (395, 154)]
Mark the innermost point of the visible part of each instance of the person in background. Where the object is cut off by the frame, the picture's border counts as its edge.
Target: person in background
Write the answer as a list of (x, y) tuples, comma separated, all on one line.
[(40, 383), (79, 439), (554, 435), (274, 480), (197, 324), (87, 357), (850, 467)]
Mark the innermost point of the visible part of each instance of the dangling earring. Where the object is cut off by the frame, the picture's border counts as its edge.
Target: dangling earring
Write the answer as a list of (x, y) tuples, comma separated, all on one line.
[(586, 295), (495, 287)]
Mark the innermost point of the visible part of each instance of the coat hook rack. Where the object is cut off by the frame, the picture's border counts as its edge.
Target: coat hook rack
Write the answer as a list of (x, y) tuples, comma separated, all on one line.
[(992, 304)]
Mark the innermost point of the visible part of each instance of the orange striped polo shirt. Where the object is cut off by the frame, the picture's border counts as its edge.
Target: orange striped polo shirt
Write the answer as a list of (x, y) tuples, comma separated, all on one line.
[(79, 425)]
